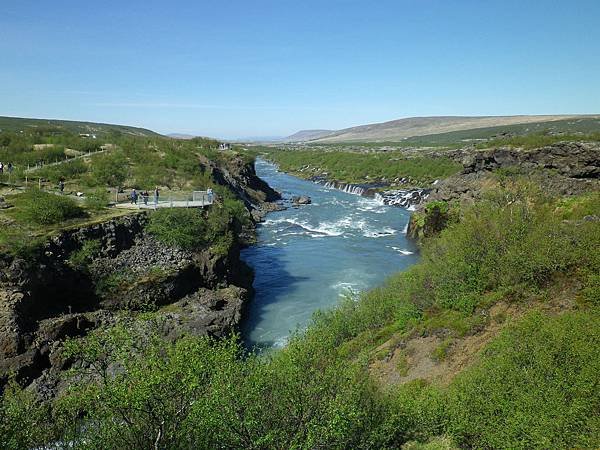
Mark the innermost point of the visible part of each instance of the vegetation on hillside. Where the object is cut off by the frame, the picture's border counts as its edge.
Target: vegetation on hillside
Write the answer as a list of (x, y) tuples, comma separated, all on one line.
[(118, 159), (350, 167), (537, 140), (45, 127), (534, 386), (193, 228), (42, 208)]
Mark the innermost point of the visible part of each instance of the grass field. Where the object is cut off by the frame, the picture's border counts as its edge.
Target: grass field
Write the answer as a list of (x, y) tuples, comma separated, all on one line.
[(49, 126), (353, 167)]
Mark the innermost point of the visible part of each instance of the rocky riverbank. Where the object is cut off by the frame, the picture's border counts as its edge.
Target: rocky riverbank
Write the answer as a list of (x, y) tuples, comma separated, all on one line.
[(562, 169), (87, 277)]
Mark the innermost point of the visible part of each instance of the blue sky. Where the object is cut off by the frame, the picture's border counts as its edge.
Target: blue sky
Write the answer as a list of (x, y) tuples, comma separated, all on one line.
[(271, 67)]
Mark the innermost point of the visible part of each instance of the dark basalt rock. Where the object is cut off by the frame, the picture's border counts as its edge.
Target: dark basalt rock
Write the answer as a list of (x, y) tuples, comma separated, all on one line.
[(570, 159), (566, 168), (301, 200), (45, 299)]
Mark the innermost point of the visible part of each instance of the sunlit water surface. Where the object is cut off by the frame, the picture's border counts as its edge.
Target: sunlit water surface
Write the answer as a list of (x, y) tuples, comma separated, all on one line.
[(307, 257)]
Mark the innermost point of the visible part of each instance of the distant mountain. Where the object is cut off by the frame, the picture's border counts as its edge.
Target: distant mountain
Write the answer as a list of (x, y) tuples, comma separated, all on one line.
[(181, 136), (17, 124), (397, 130), (257, 139), (308, 135)]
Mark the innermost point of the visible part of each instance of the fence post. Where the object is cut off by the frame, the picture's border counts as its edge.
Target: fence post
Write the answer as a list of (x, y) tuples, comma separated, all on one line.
[(39, 183)]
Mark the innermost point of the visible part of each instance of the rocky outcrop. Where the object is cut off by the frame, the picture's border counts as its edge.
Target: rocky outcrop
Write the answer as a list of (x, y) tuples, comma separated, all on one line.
[(83, 278), (570, 159), (47, 299), (565, 169), (301, 200), (240, 176), (206, 312), (429, 221)]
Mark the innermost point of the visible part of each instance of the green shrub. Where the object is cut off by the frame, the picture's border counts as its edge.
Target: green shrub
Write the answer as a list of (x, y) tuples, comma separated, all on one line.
[(590, 294), (199, 393), (536, 387), (43, 208), (181, 227), (24, 422), (114, 283), (17, 242), (537, 140), (109, 169), (66, 170), (441, 351), (98, 199), (81, 258)]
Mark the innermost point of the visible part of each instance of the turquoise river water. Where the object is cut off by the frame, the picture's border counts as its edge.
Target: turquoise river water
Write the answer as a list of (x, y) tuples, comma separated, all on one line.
[(307, 257)]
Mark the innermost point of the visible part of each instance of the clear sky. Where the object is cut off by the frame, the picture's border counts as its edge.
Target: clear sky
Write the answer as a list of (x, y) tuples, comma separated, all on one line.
[(239, 68)]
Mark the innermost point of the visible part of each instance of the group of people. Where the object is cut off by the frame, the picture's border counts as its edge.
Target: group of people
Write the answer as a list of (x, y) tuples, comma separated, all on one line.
[(9, 167), (134, 196)]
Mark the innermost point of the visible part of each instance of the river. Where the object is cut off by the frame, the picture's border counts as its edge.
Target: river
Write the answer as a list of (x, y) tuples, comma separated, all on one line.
[(307, 257)]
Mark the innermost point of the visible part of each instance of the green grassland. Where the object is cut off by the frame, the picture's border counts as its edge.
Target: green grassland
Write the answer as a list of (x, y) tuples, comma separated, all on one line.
[(46, 126), (352, 167), (120, 158)]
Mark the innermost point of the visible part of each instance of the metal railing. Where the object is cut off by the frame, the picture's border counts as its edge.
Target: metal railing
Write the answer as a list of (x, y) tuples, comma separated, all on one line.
[(172, 200)]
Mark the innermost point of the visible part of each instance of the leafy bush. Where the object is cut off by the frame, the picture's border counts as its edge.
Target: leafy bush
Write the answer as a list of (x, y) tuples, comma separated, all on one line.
[(80, 258), (109, 169), (113, 284), (42, 208), (67, 170), (181, 227), (199, 393), (97, 199), (24, 422), (536, 387)]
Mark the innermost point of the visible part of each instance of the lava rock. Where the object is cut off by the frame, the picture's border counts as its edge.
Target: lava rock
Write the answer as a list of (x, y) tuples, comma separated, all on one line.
[(301, 200)]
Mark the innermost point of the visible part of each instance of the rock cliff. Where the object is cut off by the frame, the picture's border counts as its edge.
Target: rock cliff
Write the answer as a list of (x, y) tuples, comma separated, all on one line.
[(86, 277), (566, 168)]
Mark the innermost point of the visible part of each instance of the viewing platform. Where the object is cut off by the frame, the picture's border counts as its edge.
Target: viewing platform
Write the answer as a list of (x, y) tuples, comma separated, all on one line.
[(198, 199)]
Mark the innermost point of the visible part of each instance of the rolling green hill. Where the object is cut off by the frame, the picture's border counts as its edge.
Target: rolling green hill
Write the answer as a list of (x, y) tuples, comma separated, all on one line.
[(18, 124)]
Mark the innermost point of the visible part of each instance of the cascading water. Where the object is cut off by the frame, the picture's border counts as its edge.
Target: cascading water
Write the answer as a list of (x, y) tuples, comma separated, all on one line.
[(403, 198), (306, 257)]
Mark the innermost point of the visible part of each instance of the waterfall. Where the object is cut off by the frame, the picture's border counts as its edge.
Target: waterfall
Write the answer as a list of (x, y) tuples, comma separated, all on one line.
[(348, 188), (402, 197), (353, 189)]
